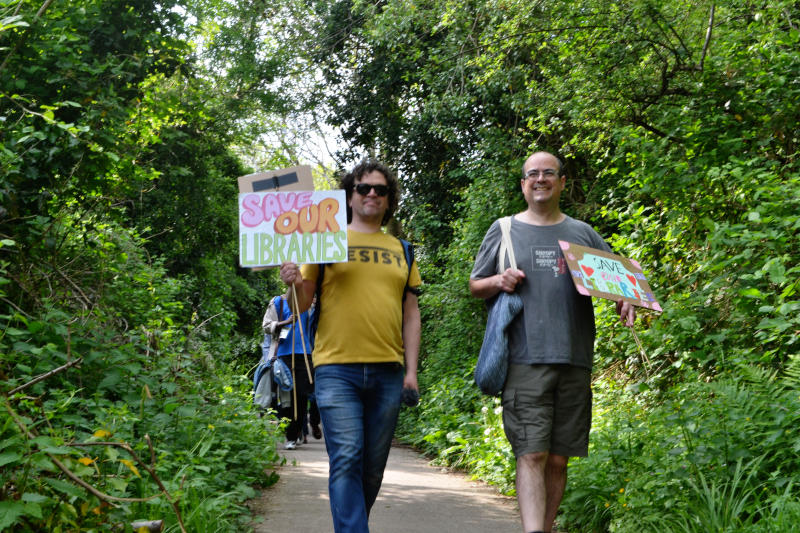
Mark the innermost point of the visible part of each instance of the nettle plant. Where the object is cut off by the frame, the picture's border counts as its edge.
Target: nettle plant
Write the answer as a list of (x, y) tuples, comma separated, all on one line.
[(104, 426)]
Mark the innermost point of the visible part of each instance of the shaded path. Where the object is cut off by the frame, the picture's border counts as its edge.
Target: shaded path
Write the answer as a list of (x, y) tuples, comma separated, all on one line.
[(415, 498)]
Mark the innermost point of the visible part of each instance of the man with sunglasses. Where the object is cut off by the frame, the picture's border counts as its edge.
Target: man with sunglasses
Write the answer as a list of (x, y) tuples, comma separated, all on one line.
[(547, 397), (368, 331)]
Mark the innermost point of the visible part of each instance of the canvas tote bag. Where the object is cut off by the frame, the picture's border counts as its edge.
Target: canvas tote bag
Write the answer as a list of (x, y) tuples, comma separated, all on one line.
[(492, 367)]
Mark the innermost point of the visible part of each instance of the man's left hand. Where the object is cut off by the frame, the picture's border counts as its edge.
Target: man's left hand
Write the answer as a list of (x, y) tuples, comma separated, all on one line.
[(410, 381), (627, 313)]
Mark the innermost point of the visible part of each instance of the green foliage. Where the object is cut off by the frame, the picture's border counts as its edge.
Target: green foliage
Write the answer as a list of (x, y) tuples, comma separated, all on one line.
[(124, 124), (146, 387), (125, 327), (704, 457)]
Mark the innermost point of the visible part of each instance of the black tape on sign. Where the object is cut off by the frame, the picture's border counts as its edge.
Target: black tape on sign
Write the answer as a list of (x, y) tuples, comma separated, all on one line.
[(275, 182)]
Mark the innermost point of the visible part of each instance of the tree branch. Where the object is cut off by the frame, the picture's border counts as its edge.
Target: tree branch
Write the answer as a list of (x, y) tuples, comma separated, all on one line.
[(708, 39), (150, 470), (46, 375), (203, 323), (67, 471), (103, 496), (12, 304)]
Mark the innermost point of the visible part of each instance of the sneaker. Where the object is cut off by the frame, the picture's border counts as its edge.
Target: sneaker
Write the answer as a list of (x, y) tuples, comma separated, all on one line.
[(290, 445), (316, 432)]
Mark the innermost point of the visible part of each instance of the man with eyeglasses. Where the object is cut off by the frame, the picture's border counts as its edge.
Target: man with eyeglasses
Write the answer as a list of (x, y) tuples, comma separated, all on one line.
[(369, 329), (547, 396)]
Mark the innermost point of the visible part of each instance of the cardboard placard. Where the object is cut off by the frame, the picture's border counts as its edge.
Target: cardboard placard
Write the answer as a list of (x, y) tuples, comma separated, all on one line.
[(301, 227), (606, 275), (286, 179)]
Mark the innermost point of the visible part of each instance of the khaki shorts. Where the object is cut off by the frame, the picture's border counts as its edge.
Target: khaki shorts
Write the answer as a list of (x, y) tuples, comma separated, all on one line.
[(548, 408)]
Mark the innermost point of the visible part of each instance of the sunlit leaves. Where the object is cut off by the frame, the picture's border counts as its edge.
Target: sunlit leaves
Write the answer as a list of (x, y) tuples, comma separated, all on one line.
[(128, 463), (98, 103)]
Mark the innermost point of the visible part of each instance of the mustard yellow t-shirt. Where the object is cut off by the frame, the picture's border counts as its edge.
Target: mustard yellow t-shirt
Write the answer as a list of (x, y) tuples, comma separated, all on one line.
[(361, 302)]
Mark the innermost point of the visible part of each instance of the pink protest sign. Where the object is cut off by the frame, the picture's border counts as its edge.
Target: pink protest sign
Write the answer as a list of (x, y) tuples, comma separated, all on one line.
[(605, 275), (296, 226)]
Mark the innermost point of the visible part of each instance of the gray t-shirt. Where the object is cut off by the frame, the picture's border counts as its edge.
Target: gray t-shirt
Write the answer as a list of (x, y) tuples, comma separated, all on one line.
[(556, 324)]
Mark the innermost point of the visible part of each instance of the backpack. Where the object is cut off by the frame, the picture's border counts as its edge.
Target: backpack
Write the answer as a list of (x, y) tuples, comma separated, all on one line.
[(408, 251)]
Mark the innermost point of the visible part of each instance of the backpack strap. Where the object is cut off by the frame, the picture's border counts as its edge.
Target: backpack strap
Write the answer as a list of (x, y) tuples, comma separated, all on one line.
[(313, 321), (408, 251)]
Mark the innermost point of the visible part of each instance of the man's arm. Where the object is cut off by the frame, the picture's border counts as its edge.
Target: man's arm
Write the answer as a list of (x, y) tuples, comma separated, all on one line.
[(412, 329), (305, 289), (488, 287)]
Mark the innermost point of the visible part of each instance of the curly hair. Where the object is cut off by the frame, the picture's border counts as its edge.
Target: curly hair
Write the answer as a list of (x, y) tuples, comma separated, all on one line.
[(347, 181)]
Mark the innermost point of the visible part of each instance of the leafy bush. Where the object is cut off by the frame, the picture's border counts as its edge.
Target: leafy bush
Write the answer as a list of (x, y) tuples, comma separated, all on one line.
[(113, 402), (195, 433), (713, 456)]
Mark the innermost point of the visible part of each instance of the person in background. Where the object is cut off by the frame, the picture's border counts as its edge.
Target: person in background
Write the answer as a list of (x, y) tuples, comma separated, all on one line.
[(369, 329), (312, 418), (293, 338), (547, 397)]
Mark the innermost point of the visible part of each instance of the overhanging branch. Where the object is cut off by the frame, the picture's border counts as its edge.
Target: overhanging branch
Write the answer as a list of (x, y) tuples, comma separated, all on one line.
[(708, 39)]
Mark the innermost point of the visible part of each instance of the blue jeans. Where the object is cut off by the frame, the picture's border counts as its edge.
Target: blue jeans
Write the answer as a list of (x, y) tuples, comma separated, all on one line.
[(358, 404)]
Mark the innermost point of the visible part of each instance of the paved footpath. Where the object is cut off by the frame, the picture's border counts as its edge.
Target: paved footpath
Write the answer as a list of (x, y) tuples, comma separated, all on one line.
[(415, 498)]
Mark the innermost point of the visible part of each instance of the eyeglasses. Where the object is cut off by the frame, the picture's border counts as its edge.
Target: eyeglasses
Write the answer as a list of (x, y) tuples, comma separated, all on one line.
[(534, 173), (364, 188)]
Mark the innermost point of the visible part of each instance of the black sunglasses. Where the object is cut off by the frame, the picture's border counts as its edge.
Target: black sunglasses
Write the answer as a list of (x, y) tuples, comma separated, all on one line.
[(364, 188)]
